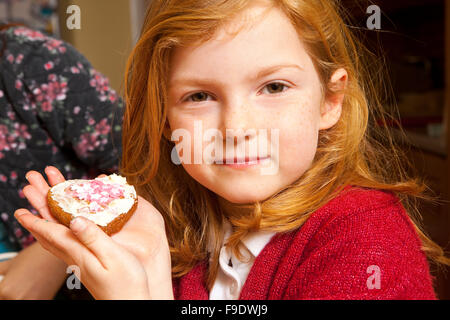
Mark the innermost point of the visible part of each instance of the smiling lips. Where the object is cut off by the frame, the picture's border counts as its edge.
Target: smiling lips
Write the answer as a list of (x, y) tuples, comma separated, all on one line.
[(242, 162)]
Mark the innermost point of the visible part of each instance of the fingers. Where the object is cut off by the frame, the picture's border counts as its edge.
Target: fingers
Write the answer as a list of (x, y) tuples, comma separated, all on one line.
[(95, 239), (38, 201), (54, 175), (102, 176), (38, 181), (59, 240), (36, 192)]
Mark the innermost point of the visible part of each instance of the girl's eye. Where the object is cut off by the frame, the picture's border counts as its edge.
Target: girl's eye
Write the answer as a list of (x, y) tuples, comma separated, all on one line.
[(272, 88), (198, 97), (275, 87)]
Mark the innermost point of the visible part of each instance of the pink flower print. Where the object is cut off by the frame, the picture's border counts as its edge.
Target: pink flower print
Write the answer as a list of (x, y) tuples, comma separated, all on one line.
[(1, 94), (101, 84), (103, 127), (91, 121), (76, 110), (46, 106), (18, 233), (28, 240), (11, 115), (21, 195), (79, 65), (52, 77), (29, 34), (52, 45), (88, 142), (37, 92), (3, 130), (19, 58), (22, 132), (112, 97), (13, 175), (5, 139), (75, 70), (10, 58), (62, 49), (3, 178), (48, 92), (18, 84), (49, 65)]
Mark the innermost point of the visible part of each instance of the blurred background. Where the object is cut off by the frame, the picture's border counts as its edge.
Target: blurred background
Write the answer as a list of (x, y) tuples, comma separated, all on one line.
[(107, 33), (414, 37)]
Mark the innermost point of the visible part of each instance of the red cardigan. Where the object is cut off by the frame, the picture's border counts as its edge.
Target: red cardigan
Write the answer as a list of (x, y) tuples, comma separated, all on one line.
[(360, 245)]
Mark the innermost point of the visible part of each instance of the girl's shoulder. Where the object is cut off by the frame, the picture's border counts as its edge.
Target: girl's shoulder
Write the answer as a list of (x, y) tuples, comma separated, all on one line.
[(343, 241), (357, 198), (359, 201), (362, 214)]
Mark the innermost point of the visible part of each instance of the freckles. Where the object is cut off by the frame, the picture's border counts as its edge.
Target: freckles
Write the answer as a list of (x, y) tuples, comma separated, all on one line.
[(298, 136)]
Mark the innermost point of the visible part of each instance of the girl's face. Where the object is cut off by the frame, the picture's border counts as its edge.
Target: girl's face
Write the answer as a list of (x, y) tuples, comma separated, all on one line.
[(260, 81)]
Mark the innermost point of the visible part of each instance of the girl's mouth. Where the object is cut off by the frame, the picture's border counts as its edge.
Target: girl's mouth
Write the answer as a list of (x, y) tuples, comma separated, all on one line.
[(242, 163)]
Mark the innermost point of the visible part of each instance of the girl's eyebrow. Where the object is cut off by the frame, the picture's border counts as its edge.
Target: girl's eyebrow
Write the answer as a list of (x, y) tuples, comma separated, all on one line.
[(260, 74)]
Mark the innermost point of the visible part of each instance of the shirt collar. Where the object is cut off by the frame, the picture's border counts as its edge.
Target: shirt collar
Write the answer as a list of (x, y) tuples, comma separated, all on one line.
[(254, 242)]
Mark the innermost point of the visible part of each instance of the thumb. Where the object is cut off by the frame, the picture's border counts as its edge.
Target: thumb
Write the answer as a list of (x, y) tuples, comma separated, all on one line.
[(97, 241)]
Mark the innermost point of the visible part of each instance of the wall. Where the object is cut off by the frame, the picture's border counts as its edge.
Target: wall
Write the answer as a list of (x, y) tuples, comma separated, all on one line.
[(105, 37)]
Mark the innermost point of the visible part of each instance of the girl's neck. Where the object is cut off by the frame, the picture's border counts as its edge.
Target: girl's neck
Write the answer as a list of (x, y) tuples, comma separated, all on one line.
[(230, 209)]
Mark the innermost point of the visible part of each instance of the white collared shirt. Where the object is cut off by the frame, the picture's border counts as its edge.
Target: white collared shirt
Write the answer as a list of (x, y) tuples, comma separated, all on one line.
[(231, 279)]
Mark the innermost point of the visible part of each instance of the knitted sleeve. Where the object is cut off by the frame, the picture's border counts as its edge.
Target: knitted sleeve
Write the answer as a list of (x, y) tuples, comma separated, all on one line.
[(374, 254)]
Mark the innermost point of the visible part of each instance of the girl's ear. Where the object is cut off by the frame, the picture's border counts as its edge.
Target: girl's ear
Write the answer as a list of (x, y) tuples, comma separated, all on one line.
[(332, 107)]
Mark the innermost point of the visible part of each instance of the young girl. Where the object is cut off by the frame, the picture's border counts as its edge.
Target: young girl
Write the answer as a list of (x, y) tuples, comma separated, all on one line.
[(327, 221)]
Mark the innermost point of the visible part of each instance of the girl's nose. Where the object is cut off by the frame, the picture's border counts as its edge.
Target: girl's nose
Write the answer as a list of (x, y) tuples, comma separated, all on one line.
[(238, 116), (239, 126)]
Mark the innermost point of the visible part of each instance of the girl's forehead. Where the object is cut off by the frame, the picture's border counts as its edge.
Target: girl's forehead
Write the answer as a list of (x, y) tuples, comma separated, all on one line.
[(260, 31), (245, 19)]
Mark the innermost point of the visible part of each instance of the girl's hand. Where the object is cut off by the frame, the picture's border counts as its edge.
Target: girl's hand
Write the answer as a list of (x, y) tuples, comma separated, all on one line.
[(33, 274), (122, 266)]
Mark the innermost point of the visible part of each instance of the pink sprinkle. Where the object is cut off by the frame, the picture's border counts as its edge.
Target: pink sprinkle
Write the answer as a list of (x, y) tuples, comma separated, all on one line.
[(97, 193)]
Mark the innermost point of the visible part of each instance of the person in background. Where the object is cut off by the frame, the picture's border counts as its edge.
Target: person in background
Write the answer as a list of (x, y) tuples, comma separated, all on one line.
[(55, 108)]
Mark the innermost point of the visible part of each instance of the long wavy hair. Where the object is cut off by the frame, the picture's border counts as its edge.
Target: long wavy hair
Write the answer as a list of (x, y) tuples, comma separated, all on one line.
[(358, 150)]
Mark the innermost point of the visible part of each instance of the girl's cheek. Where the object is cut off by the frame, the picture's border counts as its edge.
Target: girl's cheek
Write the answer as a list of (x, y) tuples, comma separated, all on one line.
[(298, 138)]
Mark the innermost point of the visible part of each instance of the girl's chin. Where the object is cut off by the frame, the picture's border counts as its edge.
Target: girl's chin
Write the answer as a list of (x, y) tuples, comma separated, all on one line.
[(241, 197)]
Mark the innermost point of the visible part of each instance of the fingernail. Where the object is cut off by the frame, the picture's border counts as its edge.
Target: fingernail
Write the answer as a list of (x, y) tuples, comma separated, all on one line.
[(18, 213), (77, 224)]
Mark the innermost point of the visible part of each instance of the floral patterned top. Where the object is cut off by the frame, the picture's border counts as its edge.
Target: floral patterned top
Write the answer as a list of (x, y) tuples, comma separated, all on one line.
[(55, 109)]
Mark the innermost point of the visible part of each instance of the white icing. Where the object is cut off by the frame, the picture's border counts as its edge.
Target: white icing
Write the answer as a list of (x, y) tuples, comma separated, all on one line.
[(82, 208)]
